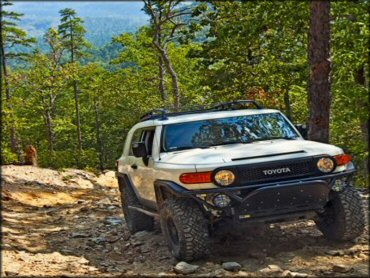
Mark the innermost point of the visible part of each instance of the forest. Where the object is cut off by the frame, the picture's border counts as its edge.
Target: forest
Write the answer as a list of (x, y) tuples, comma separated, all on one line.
[(75, 102)]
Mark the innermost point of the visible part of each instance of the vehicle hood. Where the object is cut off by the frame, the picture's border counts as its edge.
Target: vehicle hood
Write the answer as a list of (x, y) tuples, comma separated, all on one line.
[(256, 152)]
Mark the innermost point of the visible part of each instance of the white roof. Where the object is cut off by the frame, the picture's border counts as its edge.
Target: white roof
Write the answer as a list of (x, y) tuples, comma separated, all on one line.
[(204, 116)]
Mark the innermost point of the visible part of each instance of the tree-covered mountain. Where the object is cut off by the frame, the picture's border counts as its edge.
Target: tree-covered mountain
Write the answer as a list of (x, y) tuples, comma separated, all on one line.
[(103, 19)]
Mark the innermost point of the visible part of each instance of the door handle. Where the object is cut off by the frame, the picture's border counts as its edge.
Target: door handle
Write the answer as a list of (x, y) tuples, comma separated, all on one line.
[(134, 166)]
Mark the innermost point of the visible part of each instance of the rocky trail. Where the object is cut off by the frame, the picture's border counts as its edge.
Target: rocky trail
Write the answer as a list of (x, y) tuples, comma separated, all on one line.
[(70, 223)]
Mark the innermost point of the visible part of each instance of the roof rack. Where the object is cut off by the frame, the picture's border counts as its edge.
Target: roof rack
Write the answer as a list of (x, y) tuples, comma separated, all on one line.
[(151, 115), (163, 114)]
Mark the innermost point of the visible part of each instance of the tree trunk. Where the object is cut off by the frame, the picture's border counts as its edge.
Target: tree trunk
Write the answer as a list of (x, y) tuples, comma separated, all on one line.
[(14, 144), (319, 94), (50, 129), (99, 141), (173, 74), (79, 137), (161, 80), (75, 91), (288, 108), (160, 64)]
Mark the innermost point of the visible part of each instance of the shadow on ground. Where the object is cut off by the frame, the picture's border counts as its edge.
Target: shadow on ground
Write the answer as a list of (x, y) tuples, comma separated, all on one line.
[(67, 230)]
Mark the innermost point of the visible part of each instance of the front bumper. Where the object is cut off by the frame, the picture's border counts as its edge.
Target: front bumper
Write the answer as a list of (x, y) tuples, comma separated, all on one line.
[(271, 201)]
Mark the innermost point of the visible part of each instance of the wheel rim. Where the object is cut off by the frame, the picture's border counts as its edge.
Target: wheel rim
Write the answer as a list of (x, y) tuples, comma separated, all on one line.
[(172, 232)]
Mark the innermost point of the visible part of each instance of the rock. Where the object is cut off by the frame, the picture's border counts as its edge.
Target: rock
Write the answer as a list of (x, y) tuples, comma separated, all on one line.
[(142, 235), (105, 201), (185, 268), (275, 268), (111, 208), (137, 243), (144, 249), (11, 273), (113, 220), (335, 252), (231, 266), (218, 273), (272, 268), (98, 240), (299, 274), (112, 239), (341, 268), (362, 256), (79, 235), (288, 273)]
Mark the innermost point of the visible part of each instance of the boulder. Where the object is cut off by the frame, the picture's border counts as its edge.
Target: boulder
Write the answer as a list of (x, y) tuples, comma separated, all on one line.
[(185, 268), (341, 268), (231, 266)]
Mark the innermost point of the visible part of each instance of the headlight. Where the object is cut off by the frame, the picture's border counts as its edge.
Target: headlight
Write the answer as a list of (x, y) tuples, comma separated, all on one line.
[(224, 177), (325, 164)]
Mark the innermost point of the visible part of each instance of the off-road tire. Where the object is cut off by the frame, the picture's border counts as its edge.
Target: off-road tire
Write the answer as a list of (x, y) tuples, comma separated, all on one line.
[(191, 229), (344, 216), (136, 221)]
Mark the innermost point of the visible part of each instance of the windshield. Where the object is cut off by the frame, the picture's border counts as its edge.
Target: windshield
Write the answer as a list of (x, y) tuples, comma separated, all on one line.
[(232, 130)]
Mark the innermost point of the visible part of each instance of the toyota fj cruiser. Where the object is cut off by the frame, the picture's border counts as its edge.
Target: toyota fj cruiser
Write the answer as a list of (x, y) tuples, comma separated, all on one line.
[(193, 169)]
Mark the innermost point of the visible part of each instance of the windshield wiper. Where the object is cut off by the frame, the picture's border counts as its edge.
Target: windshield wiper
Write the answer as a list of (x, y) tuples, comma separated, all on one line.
[(181, 148), (225, 143), (272, 138)]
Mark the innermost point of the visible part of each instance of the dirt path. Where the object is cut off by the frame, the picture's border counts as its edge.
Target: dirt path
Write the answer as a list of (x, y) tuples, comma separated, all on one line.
[(70, 223)]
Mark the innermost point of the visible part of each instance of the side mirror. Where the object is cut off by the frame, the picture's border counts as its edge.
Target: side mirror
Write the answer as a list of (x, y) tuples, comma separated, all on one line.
[(303, 130), (139, 149)]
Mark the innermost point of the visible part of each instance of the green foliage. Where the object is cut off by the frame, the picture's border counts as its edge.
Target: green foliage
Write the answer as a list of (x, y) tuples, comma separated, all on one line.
[(11, 35), (229, 50), (72, 32), (350, 112)]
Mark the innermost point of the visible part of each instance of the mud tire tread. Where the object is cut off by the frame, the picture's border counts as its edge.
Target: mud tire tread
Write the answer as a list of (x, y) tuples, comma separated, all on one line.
[(349, 216), (192, 228), (136, 221)]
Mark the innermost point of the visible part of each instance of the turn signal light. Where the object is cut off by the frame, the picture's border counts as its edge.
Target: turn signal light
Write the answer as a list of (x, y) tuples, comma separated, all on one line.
[(201, 177), (342, 159)]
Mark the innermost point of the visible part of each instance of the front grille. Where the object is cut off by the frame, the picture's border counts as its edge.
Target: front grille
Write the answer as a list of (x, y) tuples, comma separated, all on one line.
[(274, 171)]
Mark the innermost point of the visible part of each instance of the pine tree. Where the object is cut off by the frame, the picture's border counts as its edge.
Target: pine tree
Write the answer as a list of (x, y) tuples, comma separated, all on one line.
[(10, 37), (72, 33)]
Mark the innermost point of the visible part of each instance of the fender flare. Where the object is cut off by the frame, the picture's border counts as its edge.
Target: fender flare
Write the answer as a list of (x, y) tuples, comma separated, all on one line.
[(123, 181), (164, 187)]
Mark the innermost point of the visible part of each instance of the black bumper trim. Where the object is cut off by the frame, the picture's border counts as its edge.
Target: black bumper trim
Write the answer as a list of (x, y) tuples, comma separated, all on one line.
[(321, 183)]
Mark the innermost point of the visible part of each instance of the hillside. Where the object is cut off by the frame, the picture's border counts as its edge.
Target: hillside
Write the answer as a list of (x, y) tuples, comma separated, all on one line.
[(102, 20), (70, 223)]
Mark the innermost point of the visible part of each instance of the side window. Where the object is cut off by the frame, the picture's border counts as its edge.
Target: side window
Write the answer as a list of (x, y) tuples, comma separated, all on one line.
[(149, 136), (143, 135), (136, 137)]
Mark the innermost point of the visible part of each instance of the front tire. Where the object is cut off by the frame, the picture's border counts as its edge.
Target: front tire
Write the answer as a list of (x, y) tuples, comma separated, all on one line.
[(344, 216), (136, 221), (185, 229)]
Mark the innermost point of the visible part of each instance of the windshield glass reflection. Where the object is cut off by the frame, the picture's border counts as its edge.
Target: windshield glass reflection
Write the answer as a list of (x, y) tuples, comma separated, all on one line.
[(232, 130)]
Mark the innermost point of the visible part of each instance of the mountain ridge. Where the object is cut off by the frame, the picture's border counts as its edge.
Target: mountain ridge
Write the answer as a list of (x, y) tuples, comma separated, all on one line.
[(103, 20)]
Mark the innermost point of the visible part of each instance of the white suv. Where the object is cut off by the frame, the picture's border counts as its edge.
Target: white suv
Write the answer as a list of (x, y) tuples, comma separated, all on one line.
[(230, 163)]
